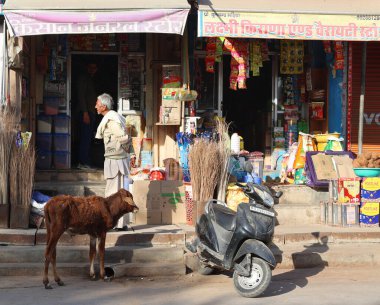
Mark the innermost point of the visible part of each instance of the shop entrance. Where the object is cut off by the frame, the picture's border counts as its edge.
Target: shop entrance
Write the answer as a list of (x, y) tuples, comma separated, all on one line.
[(106, 81), (249, 110)]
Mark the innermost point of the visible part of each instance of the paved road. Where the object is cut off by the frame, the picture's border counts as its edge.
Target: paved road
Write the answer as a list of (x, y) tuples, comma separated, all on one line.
[(303, 286)]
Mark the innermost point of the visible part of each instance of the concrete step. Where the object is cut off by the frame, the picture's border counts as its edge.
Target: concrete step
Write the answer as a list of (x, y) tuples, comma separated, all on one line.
[(28, 238), (298, 246), (316, 255), (327, 255), (79, 254), (82, 269), (69, 175), (79, 188), (299, 194), (297, 214)]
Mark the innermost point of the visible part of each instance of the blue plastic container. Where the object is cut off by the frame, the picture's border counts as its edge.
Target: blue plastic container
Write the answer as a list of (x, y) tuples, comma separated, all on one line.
[(44, 141), (61, 124), (61, 142), (61, 160), (44, 160)]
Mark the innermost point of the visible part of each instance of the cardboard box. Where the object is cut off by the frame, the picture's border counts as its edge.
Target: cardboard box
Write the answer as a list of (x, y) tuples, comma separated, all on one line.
[(170, 112), (343, 165), (324, 167), (147, 194), (145, 217), (170, 93), (370, 190), (160, 202), (369, 214), (349, 190)]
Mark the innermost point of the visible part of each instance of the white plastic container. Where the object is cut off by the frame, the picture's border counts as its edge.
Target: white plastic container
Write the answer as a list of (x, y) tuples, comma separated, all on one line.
[(61, 123), (235, 143), (44, 123)]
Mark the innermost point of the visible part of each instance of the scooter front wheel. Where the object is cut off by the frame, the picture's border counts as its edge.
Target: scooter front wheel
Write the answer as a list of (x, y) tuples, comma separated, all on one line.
[(257, 282)]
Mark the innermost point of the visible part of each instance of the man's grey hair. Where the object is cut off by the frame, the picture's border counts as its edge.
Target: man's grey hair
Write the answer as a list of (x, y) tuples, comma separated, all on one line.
[(106, 100)]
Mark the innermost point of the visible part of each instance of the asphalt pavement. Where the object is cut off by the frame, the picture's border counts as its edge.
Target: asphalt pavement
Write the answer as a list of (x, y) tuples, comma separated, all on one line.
[(302, 286)]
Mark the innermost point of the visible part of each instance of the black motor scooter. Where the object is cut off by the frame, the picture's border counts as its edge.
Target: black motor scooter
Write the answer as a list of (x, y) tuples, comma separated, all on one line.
[(237, 241)]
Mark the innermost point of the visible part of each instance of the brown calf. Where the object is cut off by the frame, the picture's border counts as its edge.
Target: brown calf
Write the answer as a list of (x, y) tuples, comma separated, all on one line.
[(93, 215)]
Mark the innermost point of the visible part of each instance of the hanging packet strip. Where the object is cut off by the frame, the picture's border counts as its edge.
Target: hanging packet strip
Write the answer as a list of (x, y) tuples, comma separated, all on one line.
[(338, 55), (210, 56), (219, 49), (327, 46), (292, 53), (255, 58), (264, 50), (239, 62)]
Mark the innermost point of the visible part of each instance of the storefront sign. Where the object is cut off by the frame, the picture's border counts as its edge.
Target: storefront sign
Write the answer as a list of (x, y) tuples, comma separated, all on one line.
[(289, 26), (372, 118), (23, 23)]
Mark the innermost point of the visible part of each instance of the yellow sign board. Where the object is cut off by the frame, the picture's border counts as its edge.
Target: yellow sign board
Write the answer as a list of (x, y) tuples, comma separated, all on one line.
[(289, 26)]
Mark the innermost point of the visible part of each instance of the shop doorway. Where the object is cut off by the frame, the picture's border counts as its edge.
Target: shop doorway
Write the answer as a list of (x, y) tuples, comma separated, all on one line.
[(106, 80), (249, 110)]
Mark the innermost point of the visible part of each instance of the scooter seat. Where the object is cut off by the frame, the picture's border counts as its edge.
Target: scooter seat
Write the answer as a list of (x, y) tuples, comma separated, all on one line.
[(225, 217)]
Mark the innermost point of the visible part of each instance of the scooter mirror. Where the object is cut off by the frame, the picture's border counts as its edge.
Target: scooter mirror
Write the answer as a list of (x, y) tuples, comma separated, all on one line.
[(248, 167)]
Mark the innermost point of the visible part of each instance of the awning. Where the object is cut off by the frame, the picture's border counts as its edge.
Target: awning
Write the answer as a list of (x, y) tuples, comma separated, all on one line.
[(39, 17), (348, 20)]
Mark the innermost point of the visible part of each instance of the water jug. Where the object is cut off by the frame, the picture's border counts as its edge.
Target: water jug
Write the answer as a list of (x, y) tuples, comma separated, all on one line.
[(235, 143)]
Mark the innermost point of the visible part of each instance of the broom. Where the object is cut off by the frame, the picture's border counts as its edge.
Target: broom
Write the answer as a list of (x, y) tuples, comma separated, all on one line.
[(9, 118), (224, 152), (204, 165)]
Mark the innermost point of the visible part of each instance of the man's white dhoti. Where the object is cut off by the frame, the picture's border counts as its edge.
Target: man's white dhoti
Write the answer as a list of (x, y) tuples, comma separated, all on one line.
[(116, 173)]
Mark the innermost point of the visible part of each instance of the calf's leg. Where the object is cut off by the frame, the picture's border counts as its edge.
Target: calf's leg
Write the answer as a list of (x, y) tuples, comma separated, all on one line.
[(101, 249), (51, 246), (53, 262), (92, 256)]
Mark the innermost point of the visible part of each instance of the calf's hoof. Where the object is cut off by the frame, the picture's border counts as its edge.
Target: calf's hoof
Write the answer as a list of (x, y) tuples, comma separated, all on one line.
[(107, 279), (48, 286), (60, 283), (93, 277)]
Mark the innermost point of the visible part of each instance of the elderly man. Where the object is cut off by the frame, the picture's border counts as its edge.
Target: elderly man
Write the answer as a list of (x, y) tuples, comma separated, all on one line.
[(116, 145)]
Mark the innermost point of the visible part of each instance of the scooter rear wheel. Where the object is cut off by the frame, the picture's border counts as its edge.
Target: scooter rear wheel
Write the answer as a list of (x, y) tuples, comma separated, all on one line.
[(258, 281)]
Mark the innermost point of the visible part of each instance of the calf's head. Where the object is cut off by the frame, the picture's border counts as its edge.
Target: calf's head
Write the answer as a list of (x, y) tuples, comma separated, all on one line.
[(127, 199)]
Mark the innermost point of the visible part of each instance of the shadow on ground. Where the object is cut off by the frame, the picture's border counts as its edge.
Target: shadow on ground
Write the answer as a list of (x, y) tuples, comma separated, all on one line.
[(298, 277)]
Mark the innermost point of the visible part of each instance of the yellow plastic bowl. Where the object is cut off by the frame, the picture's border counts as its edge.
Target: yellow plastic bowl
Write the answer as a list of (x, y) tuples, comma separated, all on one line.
[(322, 139)]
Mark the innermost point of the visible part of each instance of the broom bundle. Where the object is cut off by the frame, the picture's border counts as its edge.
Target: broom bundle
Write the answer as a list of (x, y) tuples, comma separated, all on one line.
[(22, 168), (209, 162), (224, 153), (9, 118), (204, 163)]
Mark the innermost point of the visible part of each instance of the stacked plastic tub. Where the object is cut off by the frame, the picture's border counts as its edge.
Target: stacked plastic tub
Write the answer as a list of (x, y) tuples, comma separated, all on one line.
[(61, 142), (53, 141), (44, 141)]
